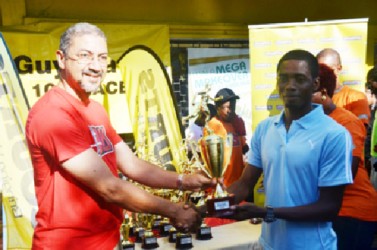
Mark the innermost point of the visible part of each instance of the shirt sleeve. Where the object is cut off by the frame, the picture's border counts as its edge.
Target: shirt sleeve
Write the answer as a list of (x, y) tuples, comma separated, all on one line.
[(336, 160)]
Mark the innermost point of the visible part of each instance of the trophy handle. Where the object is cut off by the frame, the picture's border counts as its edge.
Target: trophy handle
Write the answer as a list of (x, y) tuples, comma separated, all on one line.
[(205, 157), (228, 148)]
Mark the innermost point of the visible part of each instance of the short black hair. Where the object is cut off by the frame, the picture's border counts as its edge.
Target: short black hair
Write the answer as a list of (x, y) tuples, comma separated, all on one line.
[(372, 74), (302, 55)]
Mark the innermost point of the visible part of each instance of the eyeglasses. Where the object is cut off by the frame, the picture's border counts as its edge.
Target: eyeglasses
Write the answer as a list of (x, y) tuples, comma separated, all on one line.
[(86, 57)]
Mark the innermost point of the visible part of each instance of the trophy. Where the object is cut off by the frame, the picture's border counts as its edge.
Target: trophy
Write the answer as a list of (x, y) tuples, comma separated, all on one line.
[(165, 226), (126, 226), (139, 230), (216, 152), (183, 241), (204, 232), (149, 240)]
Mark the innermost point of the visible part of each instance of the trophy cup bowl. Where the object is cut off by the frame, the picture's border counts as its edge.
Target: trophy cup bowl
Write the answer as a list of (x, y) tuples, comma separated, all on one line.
[(216, 152)]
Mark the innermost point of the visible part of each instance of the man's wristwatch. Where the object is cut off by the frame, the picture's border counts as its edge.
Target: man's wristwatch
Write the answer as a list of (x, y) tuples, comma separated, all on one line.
[(270, 216)]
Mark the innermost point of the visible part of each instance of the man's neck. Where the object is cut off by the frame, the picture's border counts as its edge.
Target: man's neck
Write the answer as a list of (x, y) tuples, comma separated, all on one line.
[(294, 114), (77, 92)]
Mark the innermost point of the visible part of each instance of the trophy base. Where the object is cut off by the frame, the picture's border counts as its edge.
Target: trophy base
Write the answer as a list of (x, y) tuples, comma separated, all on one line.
[(149, 242), (128, 245), (164, 229), (204, 233), (183, 241), (220, 207), (172, 236), (139, 233)]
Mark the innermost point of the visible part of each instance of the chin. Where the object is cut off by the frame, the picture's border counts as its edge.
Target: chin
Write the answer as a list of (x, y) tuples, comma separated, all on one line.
[(91, 88)]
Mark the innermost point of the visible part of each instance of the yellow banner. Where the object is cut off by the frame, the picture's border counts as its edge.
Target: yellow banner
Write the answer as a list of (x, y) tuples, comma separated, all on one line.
[(269, 42), (155, 124), (17, 176)]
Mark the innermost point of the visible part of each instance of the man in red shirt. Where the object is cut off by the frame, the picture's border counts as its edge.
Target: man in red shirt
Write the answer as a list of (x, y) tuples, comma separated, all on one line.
[(76, 156)]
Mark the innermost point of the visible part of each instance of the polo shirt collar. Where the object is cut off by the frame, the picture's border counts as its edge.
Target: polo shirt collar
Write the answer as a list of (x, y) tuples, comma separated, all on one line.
[(304, 121)]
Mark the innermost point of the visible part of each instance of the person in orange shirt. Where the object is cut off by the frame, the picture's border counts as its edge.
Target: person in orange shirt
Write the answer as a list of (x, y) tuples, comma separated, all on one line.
[(356, 223), (344, 96), (226, 121)]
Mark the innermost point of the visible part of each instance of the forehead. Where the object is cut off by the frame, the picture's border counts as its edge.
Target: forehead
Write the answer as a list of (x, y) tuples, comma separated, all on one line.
[(329, 60), (90, 42), (294, 67)]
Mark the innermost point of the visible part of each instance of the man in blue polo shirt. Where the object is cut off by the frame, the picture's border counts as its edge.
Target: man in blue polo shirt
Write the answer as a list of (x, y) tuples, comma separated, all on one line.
[(306, 160)]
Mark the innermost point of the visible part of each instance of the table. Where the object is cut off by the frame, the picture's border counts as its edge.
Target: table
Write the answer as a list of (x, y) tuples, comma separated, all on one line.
[(238, 235)]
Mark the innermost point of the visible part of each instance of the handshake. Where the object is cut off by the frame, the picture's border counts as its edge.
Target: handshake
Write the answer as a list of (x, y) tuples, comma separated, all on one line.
[(187, 216)]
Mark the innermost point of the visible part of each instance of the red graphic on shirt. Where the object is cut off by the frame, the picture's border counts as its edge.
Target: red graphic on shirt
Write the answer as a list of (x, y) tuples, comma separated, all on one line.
[(101, 142)]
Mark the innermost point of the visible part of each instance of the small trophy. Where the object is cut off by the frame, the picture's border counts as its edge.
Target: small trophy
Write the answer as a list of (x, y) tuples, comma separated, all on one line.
[(183, 241), (216, 152), (165, 226), (204, 232), (172, 235), (126, 243), (149, 240), (139, 230)]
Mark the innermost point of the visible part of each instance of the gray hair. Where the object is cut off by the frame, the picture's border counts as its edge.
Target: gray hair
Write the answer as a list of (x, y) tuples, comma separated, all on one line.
[(78, 29)]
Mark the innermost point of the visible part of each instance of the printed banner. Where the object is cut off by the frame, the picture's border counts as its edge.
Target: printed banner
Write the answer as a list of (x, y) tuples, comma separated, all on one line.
[(269, 42), (152, 108), (221, 68), (19, 200)]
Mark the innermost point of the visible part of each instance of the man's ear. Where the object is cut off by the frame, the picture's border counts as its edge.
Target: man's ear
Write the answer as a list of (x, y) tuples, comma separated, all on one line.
[(316, 84), (60, 57)]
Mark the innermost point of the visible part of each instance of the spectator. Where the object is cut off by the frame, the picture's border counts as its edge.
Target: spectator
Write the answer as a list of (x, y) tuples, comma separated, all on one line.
[(226, 121), (370, 91), (344, 96), (356, 223), (372, 80)]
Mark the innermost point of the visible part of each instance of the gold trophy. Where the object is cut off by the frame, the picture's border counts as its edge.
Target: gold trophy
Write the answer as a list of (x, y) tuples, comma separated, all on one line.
[(216, 152), (149, 240), (126, 226)]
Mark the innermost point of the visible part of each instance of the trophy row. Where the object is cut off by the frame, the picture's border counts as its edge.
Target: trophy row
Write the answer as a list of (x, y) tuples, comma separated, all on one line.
[(146, 228)]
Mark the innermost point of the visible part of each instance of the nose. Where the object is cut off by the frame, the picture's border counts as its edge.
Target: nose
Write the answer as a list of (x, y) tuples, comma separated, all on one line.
[(95, 64), (291, 83)]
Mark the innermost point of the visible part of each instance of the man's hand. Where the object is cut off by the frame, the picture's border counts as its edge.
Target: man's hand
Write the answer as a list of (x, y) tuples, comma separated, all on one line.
[(196, 182), (247, 211), (187, 218)]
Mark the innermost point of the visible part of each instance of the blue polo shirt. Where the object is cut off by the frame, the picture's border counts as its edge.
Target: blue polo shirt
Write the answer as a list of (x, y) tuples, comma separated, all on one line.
[(315, 152)]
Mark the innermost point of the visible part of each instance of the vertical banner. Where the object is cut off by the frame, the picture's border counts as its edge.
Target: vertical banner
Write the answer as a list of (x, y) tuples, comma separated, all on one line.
[(221, 68), (19, 201), (155, 123), (269, 42)]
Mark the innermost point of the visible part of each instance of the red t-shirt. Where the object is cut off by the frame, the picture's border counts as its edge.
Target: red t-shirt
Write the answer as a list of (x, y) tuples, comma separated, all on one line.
[(360, 198), (70, 215)]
